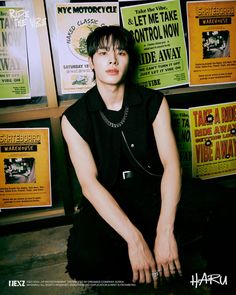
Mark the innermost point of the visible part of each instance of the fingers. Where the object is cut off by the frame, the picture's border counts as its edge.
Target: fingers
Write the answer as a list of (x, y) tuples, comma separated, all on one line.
[(155, 277), (146, 276), (178, 267), (135, 276), (168, 269), (155, 283), (142, 276), (172, 269), (153, 274)]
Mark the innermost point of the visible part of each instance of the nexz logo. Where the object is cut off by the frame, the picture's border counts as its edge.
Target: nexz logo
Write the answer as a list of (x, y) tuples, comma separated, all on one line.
[(16, 283)]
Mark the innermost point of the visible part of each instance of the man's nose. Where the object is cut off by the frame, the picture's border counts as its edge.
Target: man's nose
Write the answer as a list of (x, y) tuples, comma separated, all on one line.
[(113, 58)]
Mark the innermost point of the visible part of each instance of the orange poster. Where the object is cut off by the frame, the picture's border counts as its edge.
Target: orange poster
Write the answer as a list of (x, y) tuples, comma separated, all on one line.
[(212, 42), (24, 168)]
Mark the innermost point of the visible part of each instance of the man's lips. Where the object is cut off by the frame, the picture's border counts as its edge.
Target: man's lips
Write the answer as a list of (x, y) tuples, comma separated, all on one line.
[(112, 71)]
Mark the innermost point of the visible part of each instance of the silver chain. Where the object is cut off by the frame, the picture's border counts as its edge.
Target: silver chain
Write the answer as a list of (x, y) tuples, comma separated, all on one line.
[(115, 125)]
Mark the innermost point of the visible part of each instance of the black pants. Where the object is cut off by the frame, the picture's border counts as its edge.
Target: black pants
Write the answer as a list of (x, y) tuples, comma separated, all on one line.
[(95, 251)]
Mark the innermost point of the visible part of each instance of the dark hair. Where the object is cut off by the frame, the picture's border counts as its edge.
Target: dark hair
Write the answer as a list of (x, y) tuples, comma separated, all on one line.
[(119, 36)]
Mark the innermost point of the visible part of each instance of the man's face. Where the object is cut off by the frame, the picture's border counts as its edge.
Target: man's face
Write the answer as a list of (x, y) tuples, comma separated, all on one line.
[(110, 64)]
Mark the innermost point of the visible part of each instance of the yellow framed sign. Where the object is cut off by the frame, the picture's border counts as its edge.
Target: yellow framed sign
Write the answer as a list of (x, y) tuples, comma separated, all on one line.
[(25, 168)]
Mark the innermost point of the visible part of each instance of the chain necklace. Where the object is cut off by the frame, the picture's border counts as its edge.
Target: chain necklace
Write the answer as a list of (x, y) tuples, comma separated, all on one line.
[(115, 125)]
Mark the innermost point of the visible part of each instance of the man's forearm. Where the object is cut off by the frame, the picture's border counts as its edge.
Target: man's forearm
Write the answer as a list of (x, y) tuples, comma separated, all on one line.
[(170, 196)]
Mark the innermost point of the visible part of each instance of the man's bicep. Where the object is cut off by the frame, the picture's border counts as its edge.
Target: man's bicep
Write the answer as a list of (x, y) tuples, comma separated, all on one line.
[(80, 153), (164, 136)]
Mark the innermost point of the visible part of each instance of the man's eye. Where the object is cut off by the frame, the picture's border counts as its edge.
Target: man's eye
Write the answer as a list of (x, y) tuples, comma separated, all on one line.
[(122, 52), (102, 52)]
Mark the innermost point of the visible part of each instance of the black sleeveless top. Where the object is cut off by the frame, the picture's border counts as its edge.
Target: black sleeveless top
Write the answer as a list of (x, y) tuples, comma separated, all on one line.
[(124, 164), (132, 142)]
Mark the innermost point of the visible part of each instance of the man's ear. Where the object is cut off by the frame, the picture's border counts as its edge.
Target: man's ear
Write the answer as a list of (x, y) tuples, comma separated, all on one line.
[(90, 61)]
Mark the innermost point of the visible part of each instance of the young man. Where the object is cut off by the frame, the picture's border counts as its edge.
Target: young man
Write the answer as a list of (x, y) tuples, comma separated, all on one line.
[(117, 135)]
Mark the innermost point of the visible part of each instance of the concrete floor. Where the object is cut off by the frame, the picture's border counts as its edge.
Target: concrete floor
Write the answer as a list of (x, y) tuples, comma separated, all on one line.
[(37, 258)]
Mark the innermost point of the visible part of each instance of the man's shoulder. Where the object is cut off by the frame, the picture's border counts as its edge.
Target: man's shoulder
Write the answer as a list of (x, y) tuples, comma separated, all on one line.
[(147, 95), (81, 103)]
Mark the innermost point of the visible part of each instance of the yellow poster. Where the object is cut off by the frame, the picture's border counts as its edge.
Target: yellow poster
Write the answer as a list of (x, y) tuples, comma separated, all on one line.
[(14, 76), (24, 168), (213, 135), (159, 41), (212, 42)]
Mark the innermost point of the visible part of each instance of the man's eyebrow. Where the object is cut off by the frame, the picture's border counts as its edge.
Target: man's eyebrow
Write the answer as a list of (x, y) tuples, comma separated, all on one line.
[(104, 47), (109, 47)]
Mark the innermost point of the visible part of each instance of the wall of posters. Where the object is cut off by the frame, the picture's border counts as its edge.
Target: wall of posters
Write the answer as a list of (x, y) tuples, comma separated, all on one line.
[(74, 23), (212, 42), (14, 77), (181, 129), (158, 32), (213, 134), (24, 168)]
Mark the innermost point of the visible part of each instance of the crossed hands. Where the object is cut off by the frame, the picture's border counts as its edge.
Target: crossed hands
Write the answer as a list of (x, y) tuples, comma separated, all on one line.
[(149, 268)]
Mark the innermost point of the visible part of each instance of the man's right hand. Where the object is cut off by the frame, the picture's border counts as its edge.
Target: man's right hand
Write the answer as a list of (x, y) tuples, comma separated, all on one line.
[(142, 261)]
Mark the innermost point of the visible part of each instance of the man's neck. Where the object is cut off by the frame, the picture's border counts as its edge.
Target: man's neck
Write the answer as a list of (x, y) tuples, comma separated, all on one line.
[(112, 95)]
